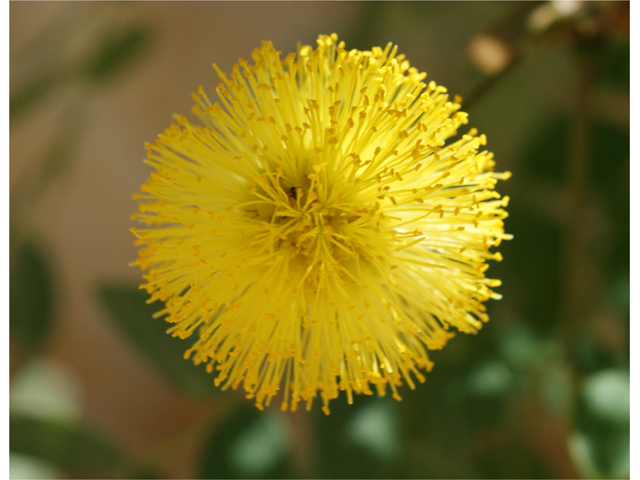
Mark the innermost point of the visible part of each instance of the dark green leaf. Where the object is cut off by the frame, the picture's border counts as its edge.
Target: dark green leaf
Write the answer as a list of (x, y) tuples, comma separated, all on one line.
[(145, 474), (522, 272), (601, 443), (489, 379), (510, 458), (58, 159), (248, 444), (117, 51), (546, 157), (601, 452), (616, 67), (31, 94), (608, 184), (371, 17), (30, 297), (621, 293), (71, 446), (128, 309), (607, 395), (361, 440)]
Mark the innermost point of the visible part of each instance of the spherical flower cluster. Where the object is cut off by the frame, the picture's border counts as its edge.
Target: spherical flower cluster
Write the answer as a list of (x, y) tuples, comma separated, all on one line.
[(314, 232)]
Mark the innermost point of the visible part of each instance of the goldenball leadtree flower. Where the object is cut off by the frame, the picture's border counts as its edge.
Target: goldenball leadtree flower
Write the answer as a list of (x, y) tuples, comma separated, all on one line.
[(315, 231)]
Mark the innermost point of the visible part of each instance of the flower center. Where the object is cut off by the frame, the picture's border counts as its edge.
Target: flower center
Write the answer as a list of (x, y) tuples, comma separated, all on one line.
[(312, 221)]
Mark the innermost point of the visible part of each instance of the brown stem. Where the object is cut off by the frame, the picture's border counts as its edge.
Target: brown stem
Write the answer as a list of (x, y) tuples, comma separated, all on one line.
[(512, 32), (574, 248), (480, 90)]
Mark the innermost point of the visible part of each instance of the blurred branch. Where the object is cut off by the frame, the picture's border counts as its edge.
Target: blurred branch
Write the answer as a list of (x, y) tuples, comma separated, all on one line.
[(574, 247), (169, 451), (303, 445), (480, 90), (499, 49), (547, 436), (587, 33)]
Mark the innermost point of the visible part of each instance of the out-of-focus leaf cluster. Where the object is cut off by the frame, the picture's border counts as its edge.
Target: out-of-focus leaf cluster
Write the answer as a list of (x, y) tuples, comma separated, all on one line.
[(42, 445), (109, 52), (132, 315)]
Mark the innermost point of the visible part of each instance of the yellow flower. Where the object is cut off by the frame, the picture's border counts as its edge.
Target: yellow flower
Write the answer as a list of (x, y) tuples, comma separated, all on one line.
[(314, 231)]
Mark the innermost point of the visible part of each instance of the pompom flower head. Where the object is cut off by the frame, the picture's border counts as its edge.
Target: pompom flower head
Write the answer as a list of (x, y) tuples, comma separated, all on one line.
[(314, 232)]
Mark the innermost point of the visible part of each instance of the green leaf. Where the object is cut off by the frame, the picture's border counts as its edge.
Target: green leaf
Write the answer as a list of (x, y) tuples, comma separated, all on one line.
[(522, 275), (621, 293), (346, 442), (46, 389), (145, 473), (31, 94), (30, 297), (116, 51), (599, 454), (58, 159), (520, 347), (616, 66), (602, 425), (376, 428), (248, 444), (28, 467), (607, 395), (490, 378), (128, 309), (71, 446)]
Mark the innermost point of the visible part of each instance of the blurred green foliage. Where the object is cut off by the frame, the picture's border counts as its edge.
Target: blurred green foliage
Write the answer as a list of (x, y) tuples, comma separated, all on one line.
[(362, 440), (116, 51), (616, 59), (32, 93), (248, 444), (44, 445), (131, 313), (71, 446), (31, 297), (111, 54)]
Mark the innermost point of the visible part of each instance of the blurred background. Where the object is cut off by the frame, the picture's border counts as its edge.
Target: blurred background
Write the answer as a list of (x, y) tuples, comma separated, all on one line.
[(98, 389)]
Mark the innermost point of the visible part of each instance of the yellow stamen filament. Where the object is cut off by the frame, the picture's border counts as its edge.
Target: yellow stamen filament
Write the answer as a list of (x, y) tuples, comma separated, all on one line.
[(315, 231)]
